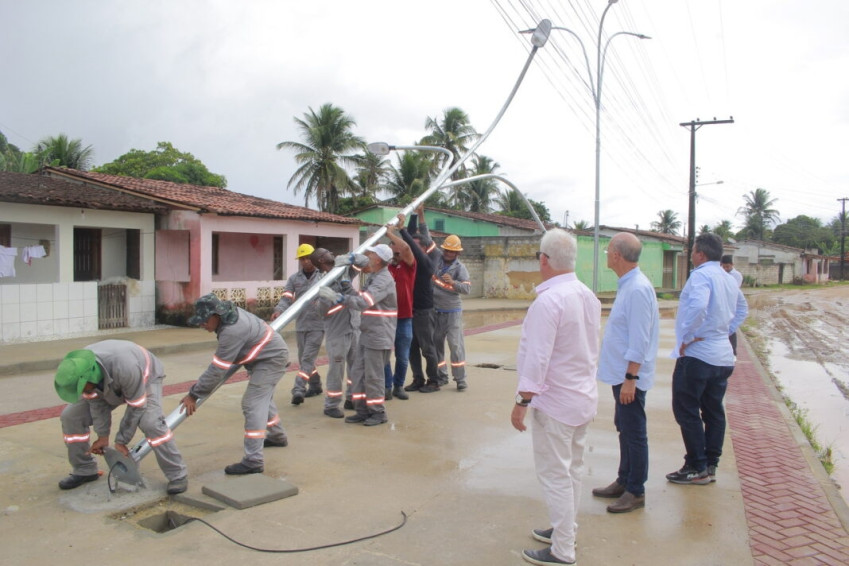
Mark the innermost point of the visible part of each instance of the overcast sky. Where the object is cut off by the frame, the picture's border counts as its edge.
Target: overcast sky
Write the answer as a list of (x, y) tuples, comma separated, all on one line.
[(224, 79)]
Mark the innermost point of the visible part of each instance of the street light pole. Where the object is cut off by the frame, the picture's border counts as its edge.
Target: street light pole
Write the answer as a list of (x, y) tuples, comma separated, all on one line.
[(595, 86)]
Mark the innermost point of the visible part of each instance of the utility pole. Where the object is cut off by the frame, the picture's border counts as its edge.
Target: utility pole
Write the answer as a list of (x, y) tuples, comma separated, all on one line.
[(842, 235), (691, 217)]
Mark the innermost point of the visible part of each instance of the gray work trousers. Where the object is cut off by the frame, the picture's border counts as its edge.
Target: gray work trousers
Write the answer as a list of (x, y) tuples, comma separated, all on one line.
[(340, 353), (423, 346), (368, 389), (449, 325), (261, 418), (309, 343), (76, 426)]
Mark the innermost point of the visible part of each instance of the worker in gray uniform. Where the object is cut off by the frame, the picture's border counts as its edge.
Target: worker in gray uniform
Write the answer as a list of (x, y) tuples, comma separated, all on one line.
[(378, 304), (341, 326), (309, 326), (95, 381), (450, 280), (243, 340)]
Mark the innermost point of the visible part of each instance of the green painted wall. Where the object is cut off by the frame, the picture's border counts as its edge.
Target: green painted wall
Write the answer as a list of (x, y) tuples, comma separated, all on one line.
[(651, 263), (463, 227)]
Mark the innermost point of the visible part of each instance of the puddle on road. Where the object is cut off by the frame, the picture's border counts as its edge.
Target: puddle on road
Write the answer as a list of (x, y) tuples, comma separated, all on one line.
[(811, 387)]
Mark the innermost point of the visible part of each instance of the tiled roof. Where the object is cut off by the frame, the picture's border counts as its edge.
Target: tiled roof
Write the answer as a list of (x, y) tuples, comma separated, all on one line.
[(493, 218), (672, 238), (208, 199), (43, 190)]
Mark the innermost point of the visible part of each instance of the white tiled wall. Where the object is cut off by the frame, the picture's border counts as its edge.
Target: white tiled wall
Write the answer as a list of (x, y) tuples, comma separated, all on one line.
[(49, 311)]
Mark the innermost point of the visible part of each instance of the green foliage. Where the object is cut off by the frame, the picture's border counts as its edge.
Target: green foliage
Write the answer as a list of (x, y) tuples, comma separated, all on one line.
[(59, 151), (667, 222), (724, 230), (410, 178), (582, 225), (477, 195), (328, 146), (347, 205), (165, 163), (758, 215), (514, 206), (803, 232), (455, 133)]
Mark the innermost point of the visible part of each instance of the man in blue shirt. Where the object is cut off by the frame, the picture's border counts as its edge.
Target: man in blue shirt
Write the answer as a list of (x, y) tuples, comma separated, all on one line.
[(710, 309), (627, 363)]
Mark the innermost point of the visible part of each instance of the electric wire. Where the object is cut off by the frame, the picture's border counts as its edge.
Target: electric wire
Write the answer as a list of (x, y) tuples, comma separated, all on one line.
[(296, 550)]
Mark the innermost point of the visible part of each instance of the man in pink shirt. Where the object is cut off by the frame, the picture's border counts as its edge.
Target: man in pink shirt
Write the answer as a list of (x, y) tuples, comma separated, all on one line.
[(558, 354)]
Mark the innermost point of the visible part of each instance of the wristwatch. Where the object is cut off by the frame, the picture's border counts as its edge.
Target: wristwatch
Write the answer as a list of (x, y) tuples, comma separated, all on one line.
[(522, 401), (631, 376)]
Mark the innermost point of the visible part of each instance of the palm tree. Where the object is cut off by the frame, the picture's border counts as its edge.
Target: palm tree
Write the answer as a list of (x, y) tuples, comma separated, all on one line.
[(757, 213), (478, 196), (724, 230), (372, 171), (454, 133), (410, 178), (667, 222), (328, 146), (704, 229), (582, 225), (59, 151)]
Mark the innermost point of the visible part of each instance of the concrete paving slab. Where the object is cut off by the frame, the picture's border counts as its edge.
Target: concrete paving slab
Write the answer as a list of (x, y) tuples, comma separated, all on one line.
[(248, 491)]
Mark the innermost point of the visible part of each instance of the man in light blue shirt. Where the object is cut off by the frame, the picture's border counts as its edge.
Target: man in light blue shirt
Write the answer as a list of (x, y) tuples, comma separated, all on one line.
[(627, 361), (710, 309)]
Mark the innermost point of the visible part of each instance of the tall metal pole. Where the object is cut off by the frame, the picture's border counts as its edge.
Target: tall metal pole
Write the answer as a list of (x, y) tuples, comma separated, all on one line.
[(691, 215), (842, 236)]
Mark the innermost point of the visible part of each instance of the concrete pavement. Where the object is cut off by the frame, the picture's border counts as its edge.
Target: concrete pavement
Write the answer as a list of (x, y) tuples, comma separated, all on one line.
[(451, 461)]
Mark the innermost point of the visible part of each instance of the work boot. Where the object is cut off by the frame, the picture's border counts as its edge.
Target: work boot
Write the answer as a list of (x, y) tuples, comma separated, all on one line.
[(349, 405), (334, 412), (415, 385), (388, 395), (399, 393), (376, 419), (356, 419), (443, 380), (268, 443), (178, 485), (297, 398), (462, 385), (241, 469), (429, 387), (314, 390), (73, 480), (628, 502), (613, 491)]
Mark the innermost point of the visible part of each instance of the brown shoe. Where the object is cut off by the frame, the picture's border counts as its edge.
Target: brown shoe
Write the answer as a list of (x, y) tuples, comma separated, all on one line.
[(628, 502), (612, 491)]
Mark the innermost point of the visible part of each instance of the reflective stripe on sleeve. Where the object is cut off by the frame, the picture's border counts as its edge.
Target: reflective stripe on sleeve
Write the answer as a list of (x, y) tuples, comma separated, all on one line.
[(367, 297), (375, 312), (218, 362)]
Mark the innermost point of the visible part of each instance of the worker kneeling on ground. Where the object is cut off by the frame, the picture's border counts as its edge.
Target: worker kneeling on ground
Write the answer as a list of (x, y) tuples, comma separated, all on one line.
[(95, 381)]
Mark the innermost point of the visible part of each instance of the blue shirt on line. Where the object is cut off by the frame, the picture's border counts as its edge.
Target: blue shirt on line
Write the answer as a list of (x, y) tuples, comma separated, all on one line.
[(631, 333), (711, 308)]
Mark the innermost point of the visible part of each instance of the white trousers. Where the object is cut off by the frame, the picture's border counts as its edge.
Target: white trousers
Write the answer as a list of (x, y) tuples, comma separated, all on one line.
[(559, 460)]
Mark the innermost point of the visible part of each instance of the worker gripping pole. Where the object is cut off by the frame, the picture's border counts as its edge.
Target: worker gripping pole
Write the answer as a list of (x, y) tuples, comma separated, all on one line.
[(538, 39)]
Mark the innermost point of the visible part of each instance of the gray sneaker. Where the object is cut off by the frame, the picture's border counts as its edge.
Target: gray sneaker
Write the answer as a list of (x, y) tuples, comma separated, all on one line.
[(543, 535), (543, 557), (711, 470), (178, 485)]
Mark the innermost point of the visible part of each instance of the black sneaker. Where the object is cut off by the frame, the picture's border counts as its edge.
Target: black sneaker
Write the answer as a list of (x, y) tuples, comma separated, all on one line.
[(268, 443), (297, 398), (711, 470), (543, 535), (376, 419), (240, 469), (689, 476), (429, 387), (73, 481), (414, 386), (356, 419)]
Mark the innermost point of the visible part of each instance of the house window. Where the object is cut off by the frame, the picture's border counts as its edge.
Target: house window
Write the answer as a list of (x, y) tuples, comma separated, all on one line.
[(86, 254), (134, 254), (6, 235), (439, 225), (215, 254), (279, 273)]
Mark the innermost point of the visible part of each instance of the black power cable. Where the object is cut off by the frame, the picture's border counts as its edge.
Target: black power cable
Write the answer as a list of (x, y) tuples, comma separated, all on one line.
[(293, 550)]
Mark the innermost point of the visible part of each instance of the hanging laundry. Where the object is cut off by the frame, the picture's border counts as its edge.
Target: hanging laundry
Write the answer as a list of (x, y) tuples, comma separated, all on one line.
[(30, 252), (7, 261)]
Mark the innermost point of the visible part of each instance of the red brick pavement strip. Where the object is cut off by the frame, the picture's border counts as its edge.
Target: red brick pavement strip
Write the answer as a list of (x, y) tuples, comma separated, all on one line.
[(33, 415), (790, 519)]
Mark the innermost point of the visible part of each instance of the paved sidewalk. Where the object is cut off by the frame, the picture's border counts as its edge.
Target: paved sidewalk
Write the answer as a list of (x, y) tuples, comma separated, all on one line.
[(450, 460)]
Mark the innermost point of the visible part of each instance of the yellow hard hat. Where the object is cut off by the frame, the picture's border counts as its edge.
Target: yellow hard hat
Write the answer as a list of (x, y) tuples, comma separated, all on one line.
[(304, 250), (452, 244)]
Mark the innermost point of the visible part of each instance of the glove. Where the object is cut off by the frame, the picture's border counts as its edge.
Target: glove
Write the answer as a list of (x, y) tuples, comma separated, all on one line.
[(343, 260), (329, 294)]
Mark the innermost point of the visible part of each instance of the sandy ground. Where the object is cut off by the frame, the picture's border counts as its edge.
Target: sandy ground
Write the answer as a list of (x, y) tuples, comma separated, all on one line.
[(801, 335)]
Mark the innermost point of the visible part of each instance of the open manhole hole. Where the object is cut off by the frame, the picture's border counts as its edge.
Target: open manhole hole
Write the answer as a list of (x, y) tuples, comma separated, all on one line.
[(161, 517)]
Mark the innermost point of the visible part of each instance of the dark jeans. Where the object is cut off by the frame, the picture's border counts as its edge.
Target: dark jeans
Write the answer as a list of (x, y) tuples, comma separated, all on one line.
[(630, 421), (698, 389), (403, 337), (423, 346)]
